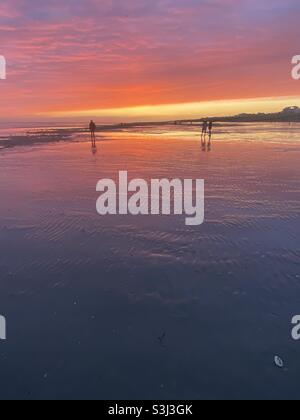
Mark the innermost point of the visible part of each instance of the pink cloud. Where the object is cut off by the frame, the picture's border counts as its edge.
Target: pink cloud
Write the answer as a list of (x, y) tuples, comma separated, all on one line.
[(67, 55)]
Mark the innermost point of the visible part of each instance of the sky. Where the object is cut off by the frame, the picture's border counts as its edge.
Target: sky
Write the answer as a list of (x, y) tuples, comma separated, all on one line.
[(129, 59)]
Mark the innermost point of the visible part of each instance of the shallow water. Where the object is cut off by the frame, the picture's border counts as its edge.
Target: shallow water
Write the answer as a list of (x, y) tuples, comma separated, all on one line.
[(86, 297)]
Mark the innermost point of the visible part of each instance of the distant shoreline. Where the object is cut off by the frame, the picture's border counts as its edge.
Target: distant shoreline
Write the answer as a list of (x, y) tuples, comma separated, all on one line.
[(58, 135), (233, 120)]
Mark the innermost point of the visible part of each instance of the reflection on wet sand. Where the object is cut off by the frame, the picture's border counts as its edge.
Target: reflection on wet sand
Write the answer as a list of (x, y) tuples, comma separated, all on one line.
[(123, 305), (94, 145), (206, 143)]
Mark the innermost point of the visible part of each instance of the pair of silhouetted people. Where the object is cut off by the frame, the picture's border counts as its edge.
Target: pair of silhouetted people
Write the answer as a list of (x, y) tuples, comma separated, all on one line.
[(207, 127)]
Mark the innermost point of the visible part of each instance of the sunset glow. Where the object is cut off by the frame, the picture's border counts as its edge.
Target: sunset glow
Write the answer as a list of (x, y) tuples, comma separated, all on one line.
[(185, 110), (164, 58)]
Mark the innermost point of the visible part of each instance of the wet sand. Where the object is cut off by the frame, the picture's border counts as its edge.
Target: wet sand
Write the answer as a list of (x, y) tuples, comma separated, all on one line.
[(86, 297)]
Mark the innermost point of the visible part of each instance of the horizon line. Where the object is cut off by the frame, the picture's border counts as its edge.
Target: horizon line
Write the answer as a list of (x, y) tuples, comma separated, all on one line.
[(215, 108)]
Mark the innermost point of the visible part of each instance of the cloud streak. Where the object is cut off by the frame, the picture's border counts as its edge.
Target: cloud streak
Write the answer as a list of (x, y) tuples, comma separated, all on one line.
[(74, 55)]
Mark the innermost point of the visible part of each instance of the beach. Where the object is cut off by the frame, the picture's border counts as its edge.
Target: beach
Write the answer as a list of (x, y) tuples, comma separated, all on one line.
[(86, 297)]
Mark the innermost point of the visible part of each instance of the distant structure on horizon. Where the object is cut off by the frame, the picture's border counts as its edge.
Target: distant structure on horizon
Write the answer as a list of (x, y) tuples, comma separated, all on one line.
[(291, 110), (289, 114)]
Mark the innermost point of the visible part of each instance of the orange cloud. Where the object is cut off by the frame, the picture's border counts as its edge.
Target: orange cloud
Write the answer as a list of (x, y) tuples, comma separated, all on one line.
[(66, 57)]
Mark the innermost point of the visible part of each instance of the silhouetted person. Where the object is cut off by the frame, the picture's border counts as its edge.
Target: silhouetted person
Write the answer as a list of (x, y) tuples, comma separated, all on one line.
[(92, 128), (204, 128), (210, 128)]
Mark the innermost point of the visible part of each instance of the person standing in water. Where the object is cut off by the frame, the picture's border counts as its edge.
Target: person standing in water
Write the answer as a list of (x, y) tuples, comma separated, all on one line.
[(204, 128), (203, 135), (92, 128), (210, 128)]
